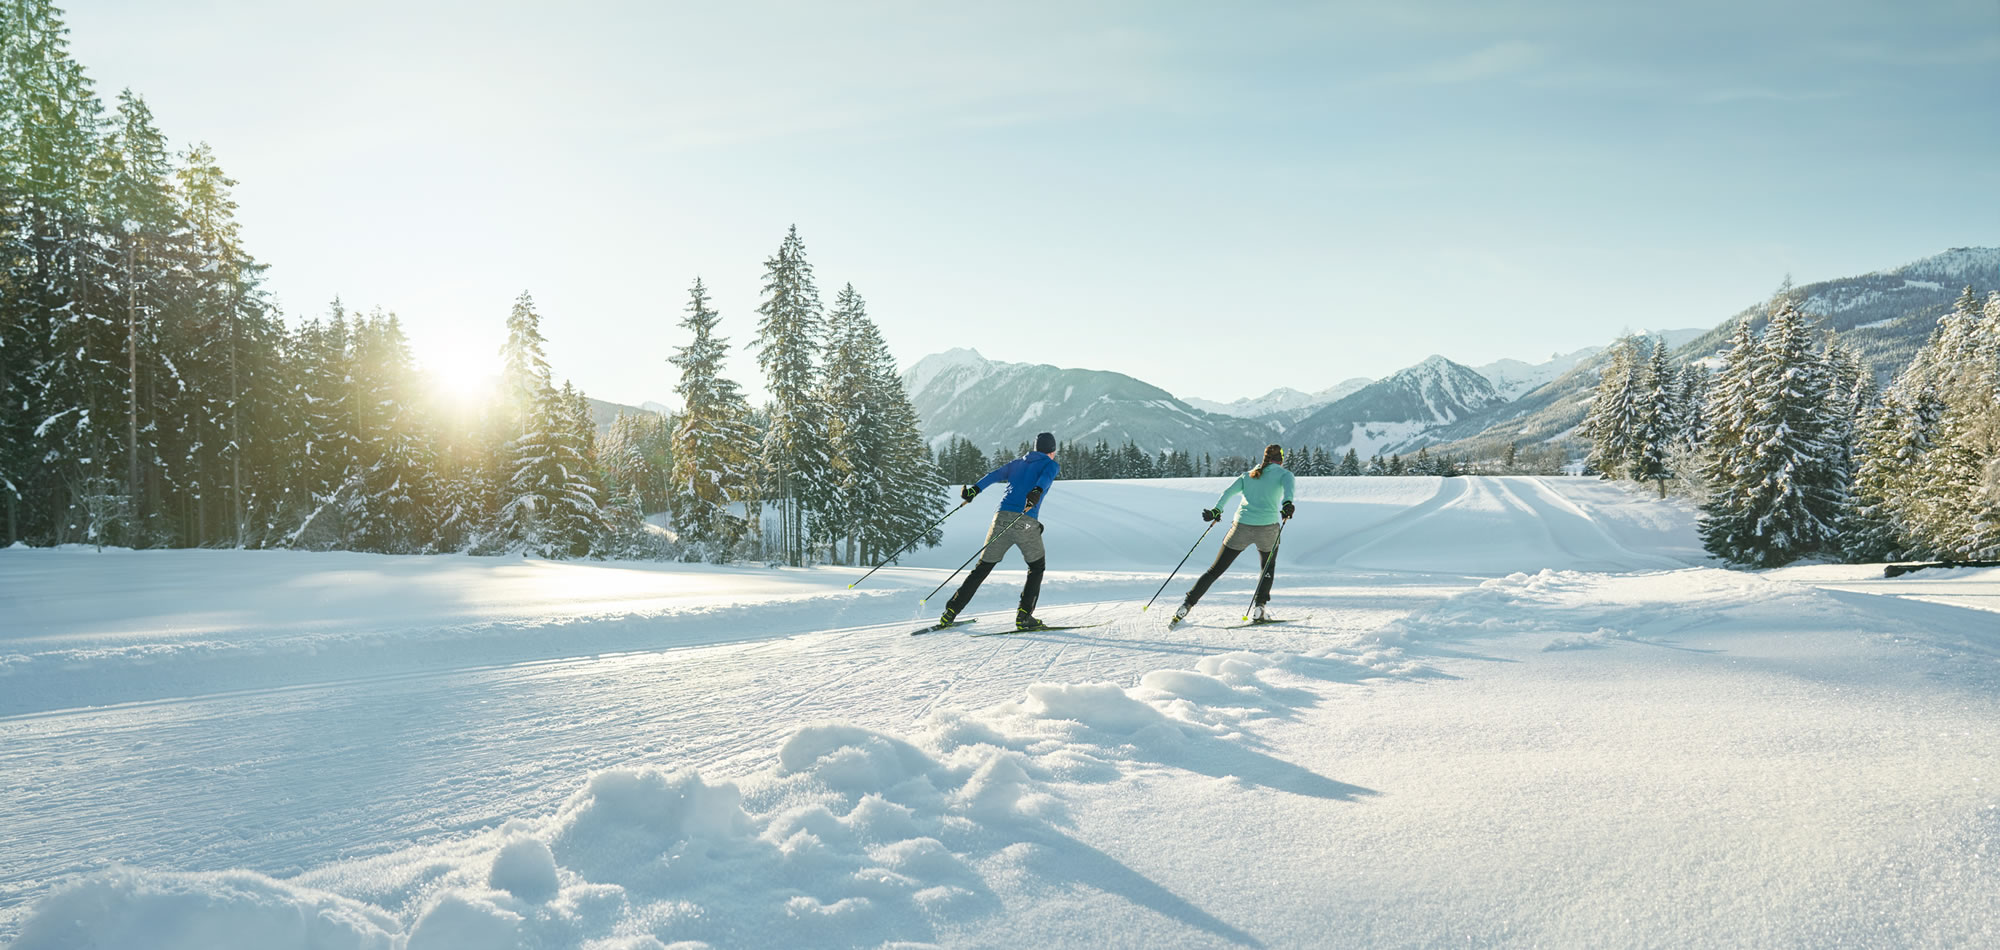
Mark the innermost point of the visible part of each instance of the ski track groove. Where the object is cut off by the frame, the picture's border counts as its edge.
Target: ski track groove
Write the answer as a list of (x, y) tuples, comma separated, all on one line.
[(1354, 542)]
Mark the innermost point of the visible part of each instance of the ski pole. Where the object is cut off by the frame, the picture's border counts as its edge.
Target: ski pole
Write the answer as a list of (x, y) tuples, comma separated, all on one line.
[(912, 543), (1269, 560), (1183, 563), (982, 549)]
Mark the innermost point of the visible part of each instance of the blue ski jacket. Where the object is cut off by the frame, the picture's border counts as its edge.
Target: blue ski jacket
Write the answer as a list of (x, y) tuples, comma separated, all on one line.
[(1027, 473)]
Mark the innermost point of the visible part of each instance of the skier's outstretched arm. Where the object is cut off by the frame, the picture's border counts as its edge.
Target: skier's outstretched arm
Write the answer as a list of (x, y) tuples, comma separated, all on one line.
[(1235, 488), (1004, 471), (1291, 483)]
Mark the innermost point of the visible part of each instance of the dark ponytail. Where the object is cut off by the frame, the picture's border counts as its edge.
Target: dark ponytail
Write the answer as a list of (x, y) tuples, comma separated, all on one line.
[(1273, 454)]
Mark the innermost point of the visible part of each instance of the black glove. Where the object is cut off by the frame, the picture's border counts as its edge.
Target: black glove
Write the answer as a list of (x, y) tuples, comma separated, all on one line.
[(1287, 511), (1034, 495), (1211, 514), (969, 492)]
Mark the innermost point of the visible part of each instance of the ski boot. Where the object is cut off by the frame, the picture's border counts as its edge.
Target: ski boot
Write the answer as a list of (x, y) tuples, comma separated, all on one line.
[(1180, 614), (1258, 616), (945, 620), (1024, 621)]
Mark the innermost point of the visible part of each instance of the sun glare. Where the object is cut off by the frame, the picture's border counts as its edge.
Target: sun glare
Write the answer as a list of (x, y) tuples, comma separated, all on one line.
[(462, 375)]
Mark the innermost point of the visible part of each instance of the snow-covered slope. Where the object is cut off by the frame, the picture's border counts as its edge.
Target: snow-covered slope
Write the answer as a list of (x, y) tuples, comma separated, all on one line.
[(959, 393), (1392, 414), (1608, 746)]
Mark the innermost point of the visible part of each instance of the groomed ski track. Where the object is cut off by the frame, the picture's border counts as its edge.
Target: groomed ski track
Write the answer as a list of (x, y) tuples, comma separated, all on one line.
[(212, 729)]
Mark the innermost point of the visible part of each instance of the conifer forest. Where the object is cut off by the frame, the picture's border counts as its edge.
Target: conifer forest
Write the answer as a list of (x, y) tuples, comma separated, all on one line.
[(152, 395)]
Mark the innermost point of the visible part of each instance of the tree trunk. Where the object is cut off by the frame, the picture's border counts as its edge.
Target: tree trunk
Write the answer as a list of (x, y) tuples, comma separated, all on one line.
[(132, 381), (235, 431)]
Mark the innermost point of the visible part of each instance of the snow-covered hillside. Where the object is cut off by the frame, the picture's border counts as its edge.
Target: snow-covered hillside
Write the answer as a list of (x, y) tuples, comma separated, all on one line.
[(1505, 712)]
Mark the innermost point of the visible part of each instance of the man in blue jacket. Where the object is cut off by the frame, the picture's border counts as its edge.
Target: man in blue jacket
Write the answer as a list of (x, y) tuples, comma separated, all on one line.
[(1016, 524)]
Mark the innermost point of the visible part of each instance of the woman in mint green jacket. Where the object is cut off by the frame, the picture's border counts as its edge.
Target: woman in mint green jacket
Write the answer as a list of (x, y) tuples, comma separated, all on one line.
[(1267, 504)]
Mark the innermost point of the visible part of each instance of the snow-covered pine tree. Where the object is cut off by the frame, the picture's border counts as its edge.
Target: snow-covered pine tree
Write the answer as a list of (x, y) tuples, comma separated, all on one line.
[(551, 508), (1350, 464), (144, 226), (1614, 421), (636, 457), (626, 535), (396, 465), (713, 460), (56, 334), (852, 431), (327, 464), (1657, 429), (1723, 455), (1781, 494), (1897, 435), (1951, 507), (795, 460), (584, 500), (524, 371), (912, 489), (1690, 405)]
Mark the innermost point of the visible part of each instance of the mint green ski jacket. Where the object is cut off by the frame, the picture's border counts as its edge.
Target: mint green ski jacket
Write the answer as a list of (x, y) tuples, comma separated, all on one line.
[(1262, 497)]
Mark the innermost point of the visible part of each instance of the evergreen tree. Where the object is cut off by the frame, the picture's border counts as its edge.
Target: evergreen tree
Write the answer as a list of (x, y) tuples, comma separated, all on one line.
[(712, 463), (52, 437), (1781, 489), (1616, 412), (636, 456), (396, 467), (145, 233), (899, 490), (524, 371), (1657, 430), (795, 457), (551, 509), (1350, 464), (1948, 503)]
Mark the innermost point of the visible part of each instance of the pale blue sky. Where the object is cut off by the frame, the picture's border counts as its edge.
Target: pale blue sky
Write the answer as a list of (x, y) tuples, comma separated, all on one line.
[(1216, 198)]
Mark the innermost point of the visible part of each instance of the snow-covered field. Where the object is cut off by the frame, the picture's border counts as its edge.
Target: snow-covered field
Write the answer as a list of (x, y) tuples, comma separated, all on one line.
[(1507, 711)]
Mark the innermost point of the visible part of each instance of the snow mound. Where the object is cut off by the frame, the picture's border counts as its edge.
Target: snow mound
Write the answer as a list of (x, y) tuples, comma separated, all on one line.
[(180, 911)]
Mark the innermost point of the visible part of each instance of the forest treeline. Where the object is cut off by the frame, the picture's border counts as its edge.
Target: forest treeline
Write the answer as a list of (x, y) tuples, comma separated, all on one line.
[(1793, 451), (151, 394)]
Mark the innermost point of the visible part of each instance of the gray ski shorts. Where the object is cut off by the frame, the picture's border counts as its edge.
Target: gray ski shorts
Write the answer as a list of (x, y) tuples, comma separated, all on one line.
[(1013, 529), (1244, 535)]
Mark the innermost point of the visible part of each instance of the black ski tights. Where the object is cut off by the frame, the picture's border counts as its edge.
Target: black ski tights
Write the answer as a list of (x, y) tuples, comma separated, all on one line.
[(1030, 593), (1223, 559)]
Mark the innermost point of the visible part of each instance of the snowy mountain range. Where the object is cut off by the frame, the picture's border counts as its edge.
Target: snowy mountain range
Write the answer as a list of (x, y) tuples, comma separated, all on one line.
[(1463, 409), (996, 404), (959, 393), (1284, 405), (1386, 415)]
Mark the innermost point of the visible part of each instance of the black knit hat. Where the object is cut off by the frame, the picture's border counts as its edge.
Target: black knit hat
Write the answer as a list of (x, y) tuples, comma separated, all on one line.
[(1045, 442)]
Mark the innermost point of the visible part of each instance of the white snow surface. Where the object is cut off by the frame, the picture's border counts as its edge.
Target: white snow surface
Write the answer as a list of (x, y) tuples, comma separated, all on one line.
[(1505, 712)]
